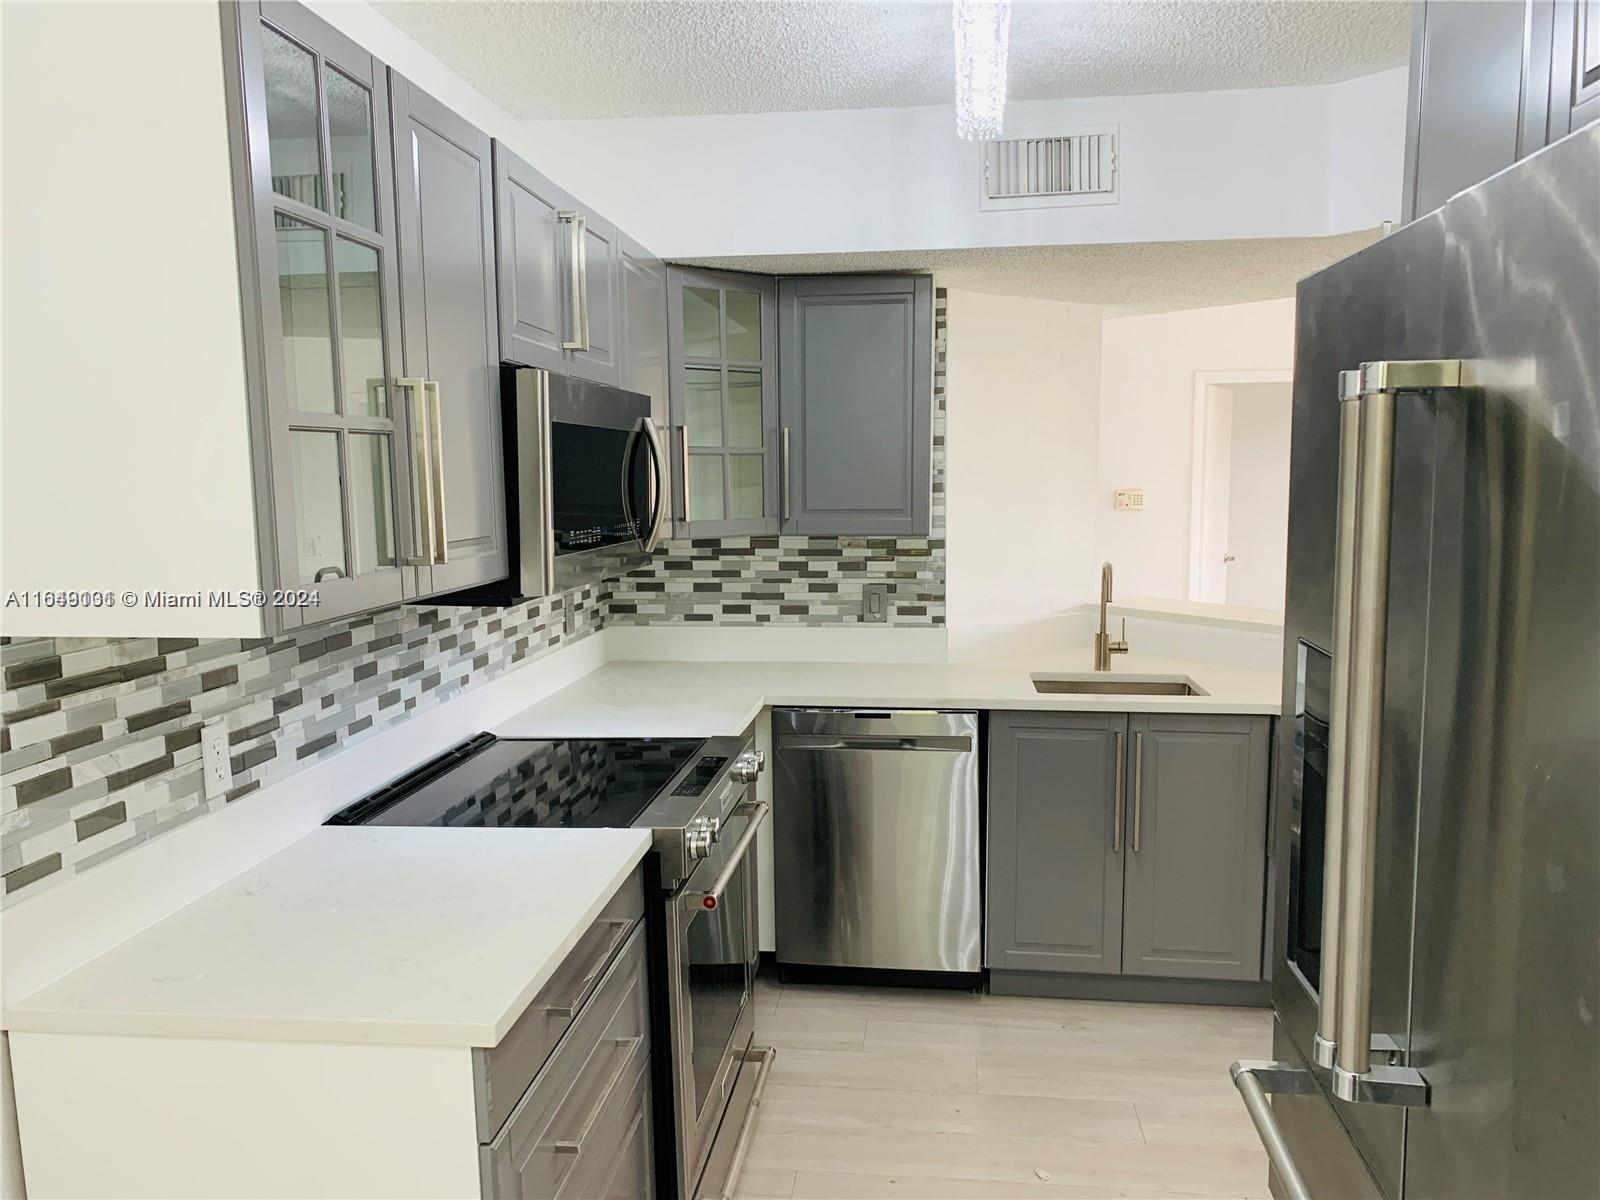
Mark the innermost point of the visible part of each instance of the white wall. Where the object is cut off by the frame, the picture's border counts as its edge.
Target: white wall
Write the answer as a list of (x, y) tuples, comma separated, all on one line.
[(1147, 392), (1022, 381), (1272, 162)]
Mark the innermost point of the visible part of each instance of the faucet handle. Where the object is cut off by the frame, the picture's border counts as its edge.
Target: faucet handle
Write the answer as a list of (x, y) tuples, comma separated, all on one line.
[(1120, 646)]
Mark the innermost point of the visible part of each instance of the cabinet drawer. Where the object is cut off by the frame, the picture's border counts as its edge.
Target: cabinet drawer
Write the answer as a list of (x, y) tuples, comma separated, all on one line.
[(575, 1107), (620, 1163), (504, 1072)]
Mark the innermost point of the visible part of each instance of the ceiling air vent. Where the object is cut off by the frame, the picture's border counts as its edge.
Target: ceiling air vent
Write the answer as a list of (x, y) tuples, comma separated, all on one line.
[(1050, 169)]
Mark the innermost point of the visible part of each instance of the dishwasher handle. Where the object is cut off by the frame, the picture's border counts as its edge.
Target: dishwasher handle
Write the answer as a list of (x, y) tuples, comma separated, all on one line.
[(951, 743)]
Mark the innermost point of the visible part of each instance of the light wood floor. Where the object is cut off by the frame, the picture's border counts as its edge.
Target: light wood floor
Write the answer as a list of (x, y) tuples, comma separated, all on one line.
[(880, 1092)]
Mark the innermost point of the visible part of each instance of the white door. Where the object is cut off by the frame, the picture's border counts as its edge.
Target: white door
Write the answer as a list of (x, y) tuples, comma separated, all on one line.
[(1256, 542)]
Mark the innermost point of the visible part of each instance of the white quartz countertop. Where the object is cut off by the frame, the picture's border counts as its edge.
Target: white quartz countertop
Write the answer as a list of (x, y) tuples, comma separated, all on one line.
[(710, 699), (436, 937)]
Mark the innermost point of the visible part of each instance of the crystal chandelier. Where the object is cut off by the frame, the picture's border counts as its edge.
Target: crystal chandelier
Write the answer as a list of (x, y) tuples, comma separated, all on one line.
[(983, 36)]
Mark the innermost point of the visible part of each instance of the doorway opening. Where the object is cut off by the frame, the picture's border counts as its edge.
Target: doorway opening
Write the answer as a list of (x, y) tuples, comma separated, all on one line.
[(1239, 523)]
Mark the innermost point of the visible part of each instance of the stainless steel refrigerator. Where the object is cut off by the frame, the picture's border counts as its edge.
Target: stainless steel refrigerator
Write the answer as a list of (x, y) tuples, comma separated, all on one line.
[(1436, 919)]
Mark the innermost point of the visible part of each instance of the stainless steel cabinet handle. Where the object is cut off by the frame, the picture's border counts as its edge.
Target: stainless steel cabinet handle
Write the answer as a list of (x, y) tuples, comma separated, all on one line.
[(1120, 805), (1326, 1039), (1138, 788), (683, 472), (578, 278), (783, 472), (575, 1145), (441, 546), (570, 1006), (709, 899), (1368, 616), (1248, 1078), (422, 525)]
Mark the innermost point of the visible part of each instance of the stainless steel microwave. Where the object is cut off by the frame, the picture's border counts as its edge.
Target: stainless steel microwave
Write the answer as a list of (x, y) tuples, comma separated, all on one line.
[(586, 480)]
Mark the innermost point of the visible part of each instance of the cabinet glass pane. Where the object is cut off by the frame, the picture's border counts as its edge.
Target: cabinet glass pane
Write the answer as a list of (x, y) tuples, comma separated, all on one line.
[(702, 393), (705, 487), (744, 326), (361, 328), (745, 492), (371, 503), (318, 505), (303, 301), (292, 125), (350, 150), (702, 323), (744, 408)]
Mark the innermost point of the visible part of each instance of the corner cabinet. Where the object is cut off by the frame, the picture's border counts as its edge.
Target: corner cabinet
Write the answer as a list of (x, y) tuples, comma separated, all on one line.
[(801, 406), (369, 332), (855, 388), (1126, 845), (560, 281)]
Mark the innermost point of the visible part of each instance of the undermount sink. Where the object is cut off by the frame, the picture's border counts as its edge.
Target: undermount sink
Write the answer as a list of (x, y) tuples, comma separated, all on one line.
[(1113, 686)]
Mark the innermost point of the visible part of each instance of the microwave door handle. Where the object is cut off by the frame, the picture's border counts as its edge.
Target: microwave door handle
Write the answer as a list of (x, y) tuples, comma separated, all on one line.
[(630, 452), (657, 489)]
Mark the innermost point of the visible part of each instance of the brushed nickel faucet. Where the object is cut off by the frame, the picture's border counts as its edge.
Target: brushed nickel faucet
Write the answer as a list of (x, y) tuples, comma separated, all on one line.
[(1104, 647)]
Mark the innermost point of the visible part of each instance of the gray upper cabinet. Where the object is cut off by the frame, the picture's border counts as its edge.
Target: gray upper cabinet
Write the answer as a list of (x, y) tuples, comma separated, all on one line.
[(445, 209), (333, 436), (559, 268), (1195, 894), (1055, 850), (722, 333), (855, 362), (1132, 845), (1492, 82)]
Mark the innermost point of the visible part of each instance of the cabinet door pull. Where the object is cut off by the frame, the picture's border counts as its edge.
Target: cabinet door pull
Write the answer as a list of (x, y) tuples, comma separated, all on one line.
[(441, 545), (683, 472), (1138, 788), (1121, 797), (784, 472), (575, 1145), (421, 471), (577, 280)]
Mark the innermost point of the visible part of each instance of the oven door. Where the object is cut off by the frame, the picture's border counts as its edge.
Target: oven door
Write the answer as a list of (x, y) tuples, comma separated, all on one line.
[(711, 961)]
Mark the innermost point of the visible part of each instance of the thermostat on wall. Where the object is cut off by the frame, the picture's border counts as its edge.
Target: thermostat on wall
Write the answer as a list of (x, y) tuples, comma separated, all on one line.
[(1129, 500)]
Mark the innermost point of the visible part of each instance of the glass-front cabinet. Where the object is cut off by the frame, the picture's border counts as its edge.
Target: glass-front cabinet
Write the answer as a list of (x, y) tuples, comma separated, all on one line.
[(330, 410), (725, 442)]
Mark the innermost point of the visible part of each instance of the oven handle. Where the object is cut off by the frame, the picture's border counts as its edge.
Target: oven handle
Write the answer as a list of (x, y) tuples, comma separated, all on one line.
[(710, 898)]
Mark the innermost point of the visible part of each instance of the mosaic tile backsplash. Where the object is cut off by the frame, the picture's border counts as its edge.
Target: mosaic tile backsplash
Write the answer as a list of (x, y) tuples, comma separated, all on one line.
[(100, 738)]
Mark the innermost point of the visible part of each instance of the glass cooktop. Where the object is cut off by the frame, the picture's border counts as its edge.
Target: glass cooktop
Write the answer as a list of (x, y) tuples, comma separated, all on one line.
[(602, 783)]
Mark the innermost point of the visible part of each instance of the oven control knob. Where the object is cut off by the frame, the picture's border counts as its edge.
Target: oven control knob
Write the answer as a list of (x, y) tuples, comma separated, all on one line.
[(715, 825), (746, 768), (698, 838)]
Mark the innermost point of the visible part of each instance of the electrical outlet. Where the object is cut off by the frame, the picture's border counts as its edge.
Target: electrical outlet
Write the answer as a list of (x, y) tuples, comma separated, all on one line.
[(875, 602), (569, 614), (214, 752)]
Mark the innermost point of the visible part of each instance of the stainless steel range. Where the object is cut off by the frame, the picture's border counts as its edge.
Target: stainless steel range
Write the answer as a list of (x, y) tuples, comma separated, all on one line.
[(696, 798)]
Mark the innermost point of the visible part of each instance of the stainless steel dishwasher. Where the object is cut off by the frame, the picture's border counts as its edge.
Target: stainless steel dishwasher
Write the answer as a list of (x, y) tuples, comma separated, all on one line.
[(875, 837)]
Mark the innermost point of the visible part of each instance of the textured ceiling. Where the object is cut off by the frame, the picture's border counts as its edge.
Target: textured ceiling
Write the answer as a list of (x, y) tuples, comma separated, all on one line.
[(1131, 277), (545, 59)]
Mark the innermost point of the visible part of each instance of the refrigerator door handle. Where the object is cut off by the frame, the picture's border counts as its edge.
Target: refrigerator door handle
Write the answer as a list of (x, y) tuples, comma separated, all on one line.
[(1354, 1077), (1326, 1039)]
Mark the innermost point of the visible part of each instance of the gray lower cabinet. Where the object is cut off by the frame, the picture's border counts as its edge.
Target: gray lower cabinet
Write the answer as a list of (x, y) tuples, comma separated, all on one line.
[(855, 399), (445, 209), (1055, 849), (560, 276), (1194, 888), (1127, 845), (564, 1101)]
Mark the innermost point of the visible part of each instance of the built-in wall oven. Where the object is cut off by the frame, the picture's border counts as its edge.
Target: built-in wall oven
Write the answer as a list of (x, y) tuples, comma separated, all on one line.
[(585, 484)]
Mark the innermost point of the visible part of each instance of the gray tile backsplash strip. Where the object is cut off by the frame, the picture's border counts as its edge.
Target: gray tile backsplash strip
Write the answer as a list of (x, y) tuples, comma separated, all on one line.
[(100, 738), (95, 759)]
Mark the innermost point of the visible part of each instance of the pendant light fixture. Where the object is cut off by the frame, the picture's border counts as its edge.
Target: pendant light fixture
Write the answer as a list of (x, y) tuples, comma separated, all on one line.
[(983, 38)]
